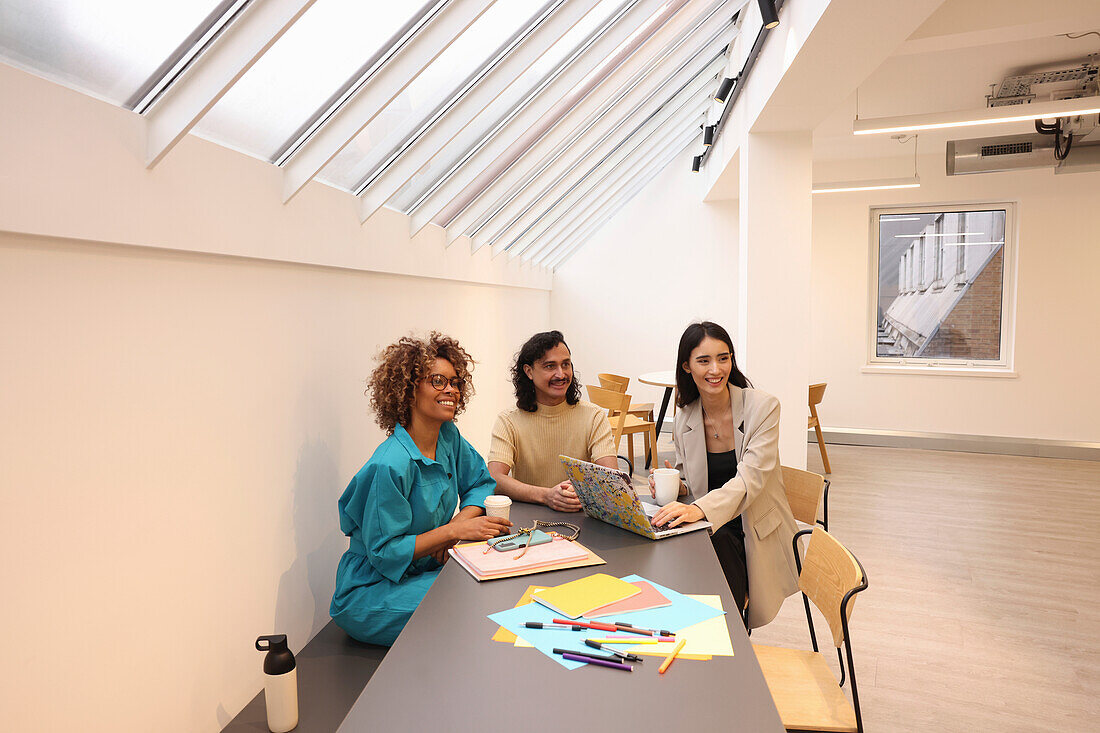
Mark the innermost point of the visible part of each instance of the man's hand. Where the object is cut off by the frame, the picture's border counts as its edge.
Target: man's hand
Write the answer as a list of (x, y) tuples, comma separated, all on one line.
[(675, 514), (562, 498), (441, 555)]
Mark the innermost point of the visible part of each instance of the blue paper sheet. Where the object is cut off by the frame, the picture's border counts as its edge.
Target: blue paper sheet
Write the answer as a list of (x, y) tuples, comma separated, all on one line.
[(682, 613)]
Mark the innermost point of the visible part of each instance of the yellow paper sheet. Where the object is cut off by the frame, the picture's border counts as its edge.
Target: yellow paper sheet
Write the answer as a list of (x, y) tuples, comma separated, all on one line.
[(706, 638), (504, 634)]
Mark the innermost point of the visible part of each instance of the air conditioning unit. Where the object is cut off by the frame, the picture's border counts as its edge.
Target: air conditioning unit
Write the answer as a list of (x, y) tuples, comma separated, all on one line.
[(994, 154), (1079, 137), (1016, 152)]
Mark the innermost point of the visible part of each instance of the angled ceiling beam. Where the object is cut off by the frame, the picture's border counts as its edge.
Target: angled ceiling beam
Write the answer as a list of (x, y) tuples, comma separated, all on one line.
[(214, 71), (589, 191), (379, 90), (612, 181), (673, 69), (687, 122), (622, 200), (491, 148), (551, 146), (680, 110), (688, 84), (609, 208), (409, 156), (624, 192)]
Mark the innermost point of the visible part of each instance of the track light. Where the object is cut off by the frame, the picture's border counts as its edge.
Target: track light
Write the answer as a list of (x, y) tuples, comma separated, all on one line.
[(768, 14), (696, 162), (708, 135), (724, 90)]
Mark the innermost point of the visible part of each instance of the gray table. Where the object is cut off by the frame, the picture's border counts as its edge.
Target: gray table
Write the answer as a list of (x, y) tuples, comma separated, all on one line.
[(444, 673)]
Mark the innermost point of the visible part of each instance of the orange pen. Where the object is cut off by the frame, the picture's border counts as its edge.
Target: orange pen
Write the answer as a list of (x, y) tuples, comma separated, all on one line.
[(670, 657)]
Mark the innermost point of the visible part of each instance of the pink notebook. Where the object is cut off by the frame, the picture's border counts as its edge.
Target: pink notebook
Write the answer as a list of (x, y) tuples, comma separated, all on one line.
[(650, 597), (489, 563)]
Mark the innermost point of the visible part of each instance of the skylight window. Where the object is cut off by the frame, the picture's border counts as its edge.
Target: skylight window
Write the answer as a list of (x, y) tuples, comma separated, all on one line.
[(333, 44), (107, 48), (491, 36), (534, 78)]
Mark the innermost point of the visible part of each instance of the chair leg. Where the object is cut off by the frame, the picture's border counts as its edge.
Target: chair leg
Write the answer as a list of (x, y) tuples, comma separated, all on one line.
[(630, 446), (651, 440), (821, 447)]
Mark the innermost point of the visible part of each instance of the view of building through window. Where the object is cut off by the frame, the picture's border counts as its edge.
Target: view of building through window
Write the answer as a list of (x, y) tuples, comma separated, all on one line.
[(940, 284)]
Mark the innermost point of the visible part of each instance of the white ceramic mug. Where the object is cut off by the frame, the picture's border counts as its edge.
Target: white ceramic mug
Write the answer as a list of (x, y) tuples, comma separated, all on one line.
[(497, 506), (666, 483)]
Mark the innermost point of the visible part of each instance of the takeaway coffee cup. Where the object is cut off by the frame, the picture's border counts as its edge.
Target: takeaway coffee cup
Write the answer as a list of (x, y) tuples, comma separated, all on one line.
[(497, 506), (666, 483)]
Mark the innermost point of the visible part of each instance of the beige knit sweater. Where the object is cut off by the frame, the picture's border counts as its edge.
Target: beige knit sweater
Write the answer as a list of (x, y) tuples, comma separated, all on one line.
[(529, 443)]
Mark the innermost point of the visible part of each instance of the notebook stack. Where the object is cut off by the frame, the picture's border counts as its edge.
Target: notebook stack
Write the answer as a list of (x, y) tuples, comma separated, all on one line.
[(537, 559)]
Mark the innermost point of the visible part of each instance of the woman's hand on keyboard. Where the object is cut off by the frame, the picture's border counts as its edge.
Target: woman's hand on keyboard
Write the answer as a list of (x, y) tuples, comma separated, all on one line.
[(675, 514)]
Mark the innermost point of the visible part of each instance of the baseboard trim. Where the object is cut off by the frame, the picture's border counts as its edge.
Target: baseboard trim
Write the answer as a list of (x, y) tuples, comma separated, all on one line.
[(960, 442)]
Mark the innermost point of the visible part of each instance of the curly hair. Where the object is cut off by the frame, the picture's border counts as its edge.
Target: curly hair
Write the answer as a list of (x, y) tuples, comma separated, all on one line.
[(531, 351), (392, 385)]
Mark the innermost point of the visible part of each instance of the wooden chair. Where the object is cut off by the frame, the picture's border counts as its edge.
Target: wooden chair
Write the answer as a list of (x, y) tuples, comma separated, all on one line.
[(622, 422), (643, 410), (817, 392), (802, 685), (806, 491)]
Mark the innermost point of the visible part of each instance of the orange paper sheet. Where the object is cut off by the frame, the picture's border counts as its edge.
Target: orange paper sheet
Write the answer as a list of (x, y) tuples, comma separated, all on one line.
[(504, 634)]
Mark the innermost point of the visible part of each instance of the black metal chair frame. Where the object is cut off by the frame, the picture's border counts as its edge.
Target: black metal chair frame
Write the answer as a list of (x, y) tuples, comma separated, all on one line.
[(825, 510), (843, 621)]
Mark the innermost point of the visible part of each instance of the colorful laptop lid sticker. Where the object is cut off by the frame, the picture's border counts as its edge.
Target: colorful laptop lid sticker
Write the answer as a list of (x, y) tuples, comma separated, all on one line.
[(610, 502)]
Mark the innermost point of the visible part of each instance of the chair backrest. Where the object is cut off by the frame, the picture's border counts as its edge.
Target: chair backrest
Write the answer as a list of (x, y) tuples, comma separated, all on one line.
[(804, 492), (817, 393), (614, 382), (829, 572), (616, 403)]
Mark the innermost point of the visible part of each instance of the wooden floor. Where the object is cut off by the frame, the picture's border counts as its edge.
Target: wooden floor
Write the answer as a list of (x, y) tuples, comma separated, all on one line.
[(983, 612)]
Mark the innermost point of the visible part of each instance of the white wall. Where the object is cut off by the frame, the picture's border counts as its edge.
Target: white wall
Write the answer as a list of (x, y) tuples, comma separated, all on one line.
[(664, 260), (74, 167), (1056, 353), (177, 429), (182, 396)]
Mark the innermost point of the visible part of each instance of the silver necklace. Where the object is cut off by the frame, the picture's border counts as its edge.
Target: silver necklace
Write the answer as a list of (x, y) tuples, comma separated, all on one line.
[(705, 417)]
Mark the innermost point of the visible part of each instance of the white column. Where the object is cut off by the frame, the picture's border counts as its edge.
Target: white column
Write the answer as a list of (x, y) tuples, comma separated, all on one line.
[(773, 334)]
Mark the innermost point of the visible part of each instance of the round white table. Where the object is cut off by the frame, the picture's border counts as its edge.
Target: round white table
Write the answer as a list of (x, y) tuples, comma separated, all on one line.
[(660, 379)]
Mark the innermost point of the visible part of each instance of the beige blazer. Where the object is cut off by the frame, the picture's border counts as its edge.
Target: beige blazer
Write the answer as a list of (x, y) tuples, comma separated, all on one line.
[(756, 494)]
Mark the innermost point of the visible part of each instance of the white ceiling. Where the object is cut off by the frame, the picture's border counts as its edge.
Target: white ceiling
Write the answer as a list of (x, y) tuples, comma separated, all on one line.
[(949, 64)]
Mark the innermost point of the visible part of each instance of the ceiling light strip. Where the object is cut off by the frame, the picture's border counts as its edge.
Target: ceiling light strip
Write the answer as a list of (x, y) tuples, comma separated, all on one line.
[(970, 118), (879, 184)]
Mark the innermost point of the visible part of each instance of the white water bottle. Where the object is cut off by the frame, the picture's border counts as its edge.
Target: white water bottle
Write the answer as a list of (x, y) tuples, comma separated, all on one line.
[(281, 683)]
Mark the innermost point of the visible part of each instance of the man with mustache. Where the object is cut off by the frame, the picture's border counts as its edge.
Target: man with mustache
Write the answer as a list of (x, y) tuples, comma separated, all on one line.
[(549, 420)]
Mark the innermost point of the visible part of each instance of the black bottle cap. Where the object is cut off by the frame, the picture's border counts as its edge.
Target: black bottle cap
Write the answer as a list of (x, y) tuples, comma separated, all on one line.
[(279, 660)]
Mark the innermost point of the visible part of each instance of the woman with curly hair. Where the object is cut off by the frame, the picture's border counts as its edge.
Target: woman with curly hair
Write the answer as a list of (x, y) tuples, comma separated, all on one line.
[(397, 511)]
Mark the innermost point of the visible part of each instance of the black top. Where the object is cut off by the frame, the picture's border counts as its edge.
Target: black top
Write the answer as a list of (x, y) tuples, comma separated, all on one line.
[(721, 467)]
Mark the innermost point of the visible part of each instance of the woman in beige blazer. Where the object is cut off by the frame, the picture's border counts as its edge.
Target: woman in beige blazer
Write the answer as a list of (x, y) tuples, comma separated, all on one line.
[(727, 451)]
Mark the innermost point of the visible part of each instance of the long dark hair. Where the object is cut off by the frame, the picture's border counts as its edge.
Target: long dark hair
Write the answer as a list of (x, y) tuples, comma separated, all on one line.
[(531, 351), (686, 390)]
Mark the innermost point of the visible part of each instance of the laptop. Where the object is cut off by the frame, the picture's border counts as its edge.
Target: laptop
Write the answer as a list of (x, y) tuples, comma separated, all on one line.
[(608, 495)]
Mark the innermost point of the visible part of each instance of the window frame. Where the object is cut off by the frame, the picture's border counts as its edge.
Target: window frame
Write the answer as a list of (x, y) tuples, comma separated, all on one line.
[(1002, 367)]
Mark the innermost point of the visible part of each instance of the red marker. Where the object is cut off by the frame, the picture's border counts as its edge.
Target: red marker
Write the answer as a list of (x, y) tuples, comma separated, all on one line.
[(589, 624)]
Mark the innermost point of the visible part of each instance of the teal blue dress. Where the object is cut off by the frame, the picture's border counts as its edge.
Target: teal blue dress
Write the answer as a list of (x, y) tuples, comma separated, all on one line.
[(396, 496)]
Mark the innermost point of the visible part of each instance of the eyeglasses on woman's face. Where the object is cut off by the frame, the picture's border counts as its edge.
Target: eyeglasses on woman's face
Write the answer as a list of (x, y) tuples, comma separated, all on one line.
[(440, 382)]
